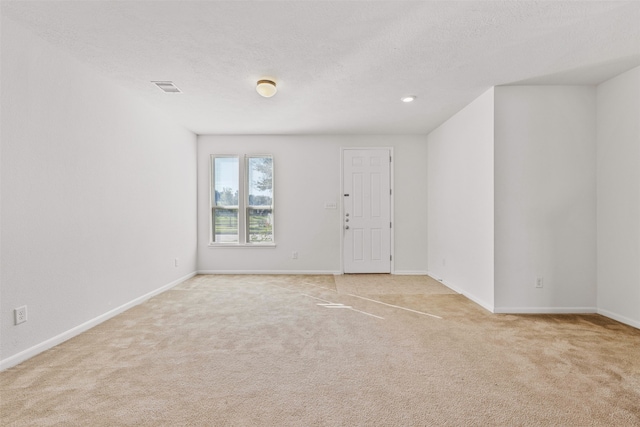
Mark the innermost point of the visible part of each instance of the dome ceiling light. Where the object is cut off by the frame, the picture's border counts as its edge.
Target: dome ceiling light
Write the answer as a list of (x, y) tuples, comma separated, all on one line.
[(266, 88)]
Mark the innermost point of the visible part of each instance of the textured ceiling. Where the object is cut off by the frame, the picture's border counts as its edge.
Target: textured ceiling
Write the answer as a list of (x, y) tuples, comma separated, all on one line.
[(341, 66)]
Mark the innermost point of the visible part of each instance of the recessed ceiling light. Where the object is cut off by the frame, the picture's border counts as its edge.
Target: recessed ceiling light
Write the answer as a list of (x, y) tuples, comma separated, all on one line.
[(409, 98), (266, 88)]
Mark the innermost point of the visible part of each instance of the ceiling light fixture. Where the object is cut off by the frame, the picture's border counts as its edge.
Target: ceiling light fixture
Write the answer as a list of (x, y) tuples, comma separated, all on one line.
[(266, 88), (409, 98), (167, 87)]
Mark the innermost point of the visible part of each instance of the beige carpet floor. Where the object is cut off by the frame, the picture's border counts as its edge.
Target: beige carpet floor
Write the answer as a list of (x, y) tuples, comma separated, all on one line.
[(371, 350)]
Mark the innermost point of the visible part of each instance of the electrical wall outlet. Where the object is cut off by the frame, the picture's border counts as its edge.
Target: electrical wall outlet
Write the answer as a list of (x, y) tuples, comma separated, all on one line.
[(294, 255), (20, 314), (175, 262), (539, 282)]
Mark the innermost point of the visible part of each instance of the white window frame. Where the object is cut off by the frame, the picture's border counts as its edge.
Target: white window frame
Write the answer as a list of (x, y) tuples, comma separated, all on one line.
[(243, 202)]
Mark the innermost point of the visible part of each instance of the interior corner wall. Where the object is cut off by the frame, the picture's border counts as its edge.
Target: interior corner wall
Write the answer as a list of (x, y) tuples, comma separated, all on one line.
[(306, 177), (545, 198), (618, 192), (460, 246), (98, 196)]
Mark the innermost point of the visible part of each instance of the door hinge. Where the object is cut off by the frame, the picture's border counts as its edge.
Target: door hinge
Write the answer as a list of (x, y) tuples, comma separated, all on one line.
[(390, 257), (390, 225), (389, 159)]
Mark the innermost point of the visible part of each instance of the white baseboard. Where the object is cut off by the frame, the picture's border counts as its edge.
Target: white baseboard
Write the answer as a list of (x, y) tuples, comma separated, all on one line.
[(305, 272), (545, 310), (59, 339), (410, 273), (300, 272), (619, 318), (472, 297)]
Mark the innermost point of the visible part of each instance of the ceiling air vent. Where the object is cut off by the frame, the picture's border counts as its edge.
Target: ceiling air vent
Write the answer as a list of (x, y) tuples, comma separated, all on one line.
[(167, 87)]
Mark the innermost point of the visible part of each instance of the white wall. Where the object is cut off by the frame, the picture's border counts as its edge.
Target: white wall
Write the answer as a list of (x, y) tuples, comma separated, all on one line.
[(460, 201), (545, 199), (307, 175), (619, 197), (98, 196)]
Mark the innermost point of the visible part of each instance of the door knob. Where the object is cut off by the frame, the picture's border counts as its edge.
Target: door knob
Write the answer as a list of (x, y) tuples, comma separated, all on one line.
[(347, 227)]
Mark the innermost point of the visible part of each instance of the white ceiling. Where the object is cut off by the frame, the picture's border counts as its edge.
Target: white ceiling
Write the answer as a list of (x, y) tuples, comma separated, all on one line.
[(341, 66)]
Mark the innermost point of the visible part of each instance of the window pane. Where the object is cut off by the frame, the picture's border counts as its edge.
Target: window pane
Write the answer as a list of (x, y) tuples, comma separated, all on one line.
[(225, 180), (225, 225), (260, 181), (260, 199), (260, 225)]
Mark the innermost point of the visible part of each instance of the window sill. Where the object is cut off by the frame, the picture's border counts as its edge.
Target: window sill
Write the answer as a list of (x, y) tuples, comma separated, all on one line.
[(242, 245)]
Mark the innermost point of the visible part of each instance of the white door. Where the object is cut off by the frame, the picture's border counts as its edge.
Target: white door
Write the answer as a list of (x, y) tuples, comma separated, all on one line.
[(367, 210)]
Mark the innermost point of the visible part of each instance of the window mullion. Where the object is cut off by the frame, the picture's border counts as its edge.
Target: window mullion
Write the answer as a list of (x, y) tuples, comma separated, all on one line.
[(242, 214), (212, 198)]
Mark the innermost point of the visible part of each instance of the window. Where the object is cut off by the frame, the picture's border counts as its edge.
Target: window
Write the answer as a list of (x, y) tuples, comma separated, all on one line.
[(259, 199), (242, 200), (225, 198)]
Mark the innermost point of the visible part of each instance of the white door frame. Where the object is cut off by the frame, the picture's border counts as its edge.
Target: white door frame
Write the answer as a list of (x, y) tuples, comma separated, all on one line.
[(391, 203)]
